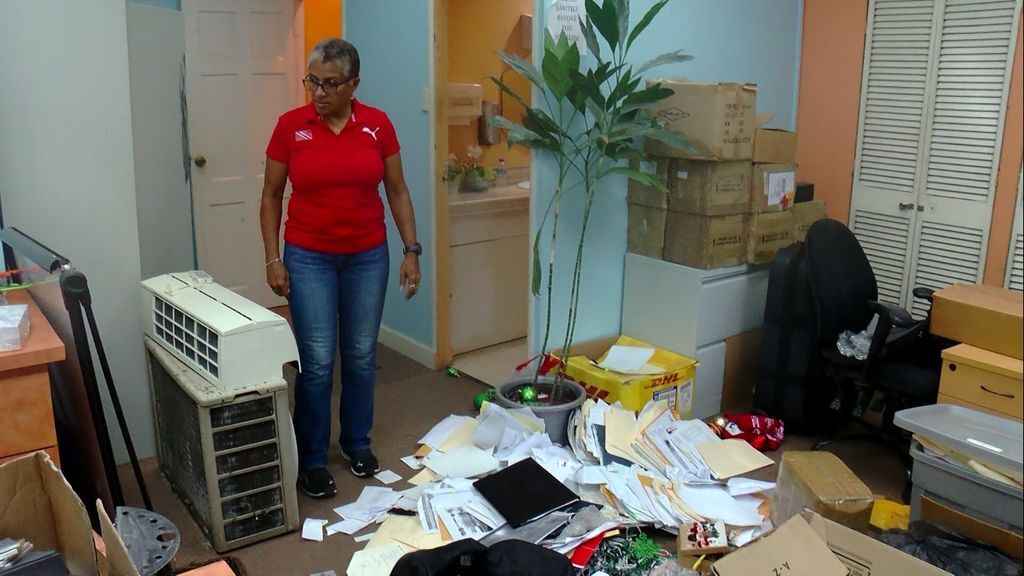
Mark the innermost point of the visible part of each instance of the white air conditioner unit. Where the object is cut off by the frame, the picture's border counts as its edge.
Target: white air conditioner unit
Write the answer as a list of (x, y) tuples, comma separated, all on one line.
[(224, 434), (230, 457), (225, 338)]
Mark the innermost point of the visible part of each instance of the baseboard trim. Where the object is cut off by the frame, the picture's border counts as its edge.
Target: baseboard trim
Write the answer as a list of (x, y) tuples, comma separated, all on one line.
[(407, 346)]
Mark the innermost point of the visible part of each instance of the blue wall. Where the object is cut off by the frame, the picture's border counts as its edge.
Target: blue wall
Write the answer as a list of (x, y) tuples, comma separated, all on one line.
[(169, 4), (394, 42), (731, 41)]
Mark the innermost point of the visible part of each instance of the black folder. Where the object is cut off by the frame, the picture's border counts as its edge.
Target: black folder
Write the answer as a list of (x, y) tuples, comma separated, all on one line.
[(524, 491)]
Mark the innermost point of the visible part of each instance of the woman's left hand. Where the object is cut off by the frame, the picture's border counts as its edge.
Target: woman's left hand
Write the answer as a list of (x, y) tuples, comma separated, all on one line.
[(409, 275)]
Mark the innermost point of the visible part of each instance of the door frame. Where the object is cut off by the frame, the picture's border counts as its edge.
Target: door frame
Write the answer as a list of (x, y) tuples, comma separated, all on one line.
[(442, 260)]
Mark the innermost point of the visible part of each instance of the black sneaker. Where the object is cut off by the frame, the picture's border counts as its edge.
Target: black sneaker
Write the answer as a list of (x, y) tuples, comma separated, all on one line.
[(318, 483), (364, 463)]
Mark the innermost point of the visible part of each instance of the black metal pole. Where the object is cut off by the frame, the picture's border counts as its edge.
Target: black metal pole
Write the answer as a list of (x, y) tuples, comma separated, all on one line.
[(72, 285), (115, 400)]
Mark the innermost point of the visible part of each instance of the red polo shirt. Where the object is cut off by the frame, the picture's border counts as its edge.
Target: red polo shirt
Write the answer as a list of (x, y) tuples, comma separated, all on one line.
[(335, 204)]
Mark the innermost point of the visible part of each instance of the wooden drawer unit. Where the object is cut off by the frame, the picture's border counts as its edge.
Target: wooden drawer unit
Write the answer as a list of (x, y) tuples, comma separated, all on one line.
[(982, 380), (26, 410)]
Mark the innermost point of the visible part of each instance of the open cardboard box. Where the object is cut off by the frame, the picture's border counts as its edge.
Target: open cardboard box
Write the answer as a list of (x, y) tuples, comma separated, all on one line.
[(811, 545), (38, 504)]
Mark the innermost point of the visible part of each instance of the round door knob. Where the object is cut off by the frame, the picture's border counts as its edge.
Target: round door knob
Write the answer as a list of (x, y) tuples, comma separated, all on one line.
[(200, 161)]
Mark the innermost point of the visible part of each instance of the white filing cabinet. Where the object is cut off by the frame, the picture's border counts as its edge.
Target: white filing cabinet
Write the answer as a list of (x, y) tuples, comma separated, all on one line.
[(691, 312)]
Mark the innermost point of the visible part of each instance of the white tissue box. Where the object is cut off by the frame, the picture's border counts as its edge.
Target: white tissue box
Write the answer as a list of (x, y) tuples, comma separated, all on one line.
[(14, 326)]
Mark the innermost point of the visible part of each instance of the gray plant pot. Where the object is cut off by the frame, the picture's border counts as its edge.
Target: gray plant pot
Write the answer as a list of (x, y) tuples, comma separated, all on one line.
[(556, 418)]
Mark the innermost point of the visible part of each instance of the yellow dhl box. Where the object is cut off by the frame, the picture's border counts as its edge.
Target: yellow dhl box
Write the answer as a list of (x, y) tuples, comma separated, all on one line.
[(666, 376)]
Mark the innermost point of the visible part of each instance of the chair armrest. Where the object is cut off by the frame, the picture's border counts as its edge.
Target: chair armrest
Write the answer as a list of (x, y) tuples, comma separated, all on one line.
[(924, 293), (892, 314)]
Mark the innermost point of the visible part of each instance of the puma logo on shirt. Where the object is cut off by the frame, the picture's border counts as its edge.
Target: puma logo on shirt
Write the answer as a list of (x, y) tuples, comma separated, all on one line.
[(371, 132)]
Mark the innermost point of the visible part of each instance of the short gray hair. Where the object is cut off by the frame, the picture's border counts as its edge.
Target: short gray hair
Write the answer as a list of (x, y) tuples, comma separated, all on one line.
[(336, 51)]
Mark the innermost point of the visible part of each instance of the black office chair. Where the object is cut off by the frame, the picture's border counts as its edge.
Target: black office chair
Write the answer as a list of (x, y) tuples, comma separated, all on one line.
[(902, 362)]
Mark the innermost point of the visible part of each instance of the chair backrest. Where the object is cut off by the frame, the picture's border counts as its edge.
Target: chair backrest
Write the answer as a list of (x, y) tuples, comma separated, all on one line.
[(841, 279)]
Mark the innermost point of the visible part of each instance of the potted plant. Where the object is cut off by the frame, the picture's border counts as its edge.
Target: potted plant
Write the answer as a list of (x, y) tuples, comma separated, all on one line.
[(591, 119)]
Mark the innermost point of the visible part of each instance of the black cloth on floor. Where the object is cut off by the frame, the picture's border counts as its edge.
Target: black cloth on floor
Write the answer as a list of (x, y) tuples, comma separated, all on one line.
[(470, 558)]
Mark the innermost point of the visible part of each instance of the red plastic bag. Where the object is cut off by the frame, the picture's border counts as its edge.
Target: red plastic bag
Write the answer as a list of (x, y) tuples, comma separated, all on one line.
[(762, 432)]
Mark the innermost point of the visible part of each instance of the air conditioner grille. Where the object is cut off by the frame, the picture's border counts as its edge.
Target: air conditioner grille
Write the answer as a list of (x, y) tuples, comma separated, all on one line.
[(245, 459), (224, 440), (251, 504), (190, 337), (232, 414), (249, 481), (254, 525)]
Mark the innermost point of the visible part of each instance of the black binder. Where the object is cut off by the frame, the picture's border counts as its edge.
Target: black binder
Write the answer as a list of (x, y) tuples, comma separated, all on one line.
[(524, 491)]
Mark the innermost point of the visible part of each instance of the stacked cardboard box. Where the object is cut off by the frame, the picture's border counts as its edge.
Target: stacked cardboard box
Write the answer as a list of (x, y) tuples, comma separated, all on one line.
[(772, 192), (702, 221)]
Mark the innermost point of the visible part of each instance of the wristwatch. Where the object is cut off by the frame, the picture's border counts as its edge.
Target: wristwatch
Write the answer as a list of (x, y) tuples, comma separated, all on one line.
[(414, 248)]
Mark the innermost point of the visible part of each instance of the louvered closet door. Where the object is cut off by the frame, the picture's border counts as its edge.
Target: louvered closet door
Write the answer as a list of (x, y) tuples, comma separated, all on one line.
[(894, 89), (975, 49), (1015, 261), (936, 79)]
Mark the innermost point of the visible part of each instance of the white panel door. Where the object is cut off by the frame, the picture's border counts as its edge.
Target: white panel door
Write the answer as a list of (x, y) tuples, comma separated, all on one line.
[(898, 49), (1015, 260), (975, 43), (241, 74), (936, 79)]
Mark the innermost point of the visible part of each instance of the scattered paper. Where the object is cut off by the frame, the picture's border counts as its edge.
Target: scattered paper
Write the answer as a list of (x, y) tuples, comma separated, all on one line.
[(461, 436), (743, 486), (348, 526), (714, 502), (425, 476), (495, 422), (440, 432), (364, 537), (387, 476), (404, 530), (371, 504), (462, 462), (626, 358), (412, 462), (728, 458), (313, 529), (377, 561), (328, 573)]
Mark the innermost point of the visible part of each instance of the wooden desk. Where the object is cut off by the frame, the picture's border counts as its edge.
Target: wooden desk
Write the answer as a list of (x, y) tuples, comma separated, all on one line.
[(26, 411)]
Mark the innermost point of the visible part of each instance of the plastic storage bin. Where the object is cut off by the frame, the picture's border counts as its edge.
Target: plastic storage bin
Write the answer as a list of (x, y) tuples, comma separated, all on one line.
[(984, 437), (979, 496)]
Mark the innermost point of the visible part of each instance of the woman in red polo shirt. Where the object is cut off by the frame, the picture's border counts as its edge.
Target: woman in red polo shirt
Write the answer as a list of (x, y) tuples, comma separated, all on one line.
[(334, 269)]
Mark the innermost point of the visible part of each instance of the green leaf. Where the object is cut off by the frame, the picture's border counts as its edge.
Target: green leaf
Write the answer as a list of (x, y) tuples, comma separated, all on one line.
[(555, 75), (622, 10), (587, 28), (524, 69), (504, 88), (641, 177), (536, 273), (646, 97), (606, 20), (644, 22), (667, 58)]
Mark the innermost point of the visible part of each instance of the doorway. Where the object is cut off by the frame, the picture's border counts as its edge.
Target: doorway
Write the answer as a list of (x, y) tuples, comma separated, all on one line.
[(486, 231), (235, 90)]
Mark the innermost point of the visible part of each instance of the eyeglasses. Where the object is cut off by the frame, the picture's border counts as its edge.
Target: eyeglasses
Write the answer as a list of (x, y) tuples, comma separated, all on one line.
[(329, 86)]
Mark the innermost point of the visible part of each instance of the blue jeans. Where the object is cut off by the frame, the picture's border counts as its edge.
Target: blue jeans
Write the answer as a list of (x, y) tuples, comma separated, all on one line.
[(335, 297)]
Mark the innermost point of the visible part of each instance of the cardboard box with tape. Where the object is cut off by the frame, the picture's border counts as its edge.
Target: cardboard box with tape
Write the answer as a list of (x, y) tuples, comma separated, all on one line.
[(705, 241), (768, 233), (719, 119), (709, 188)]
